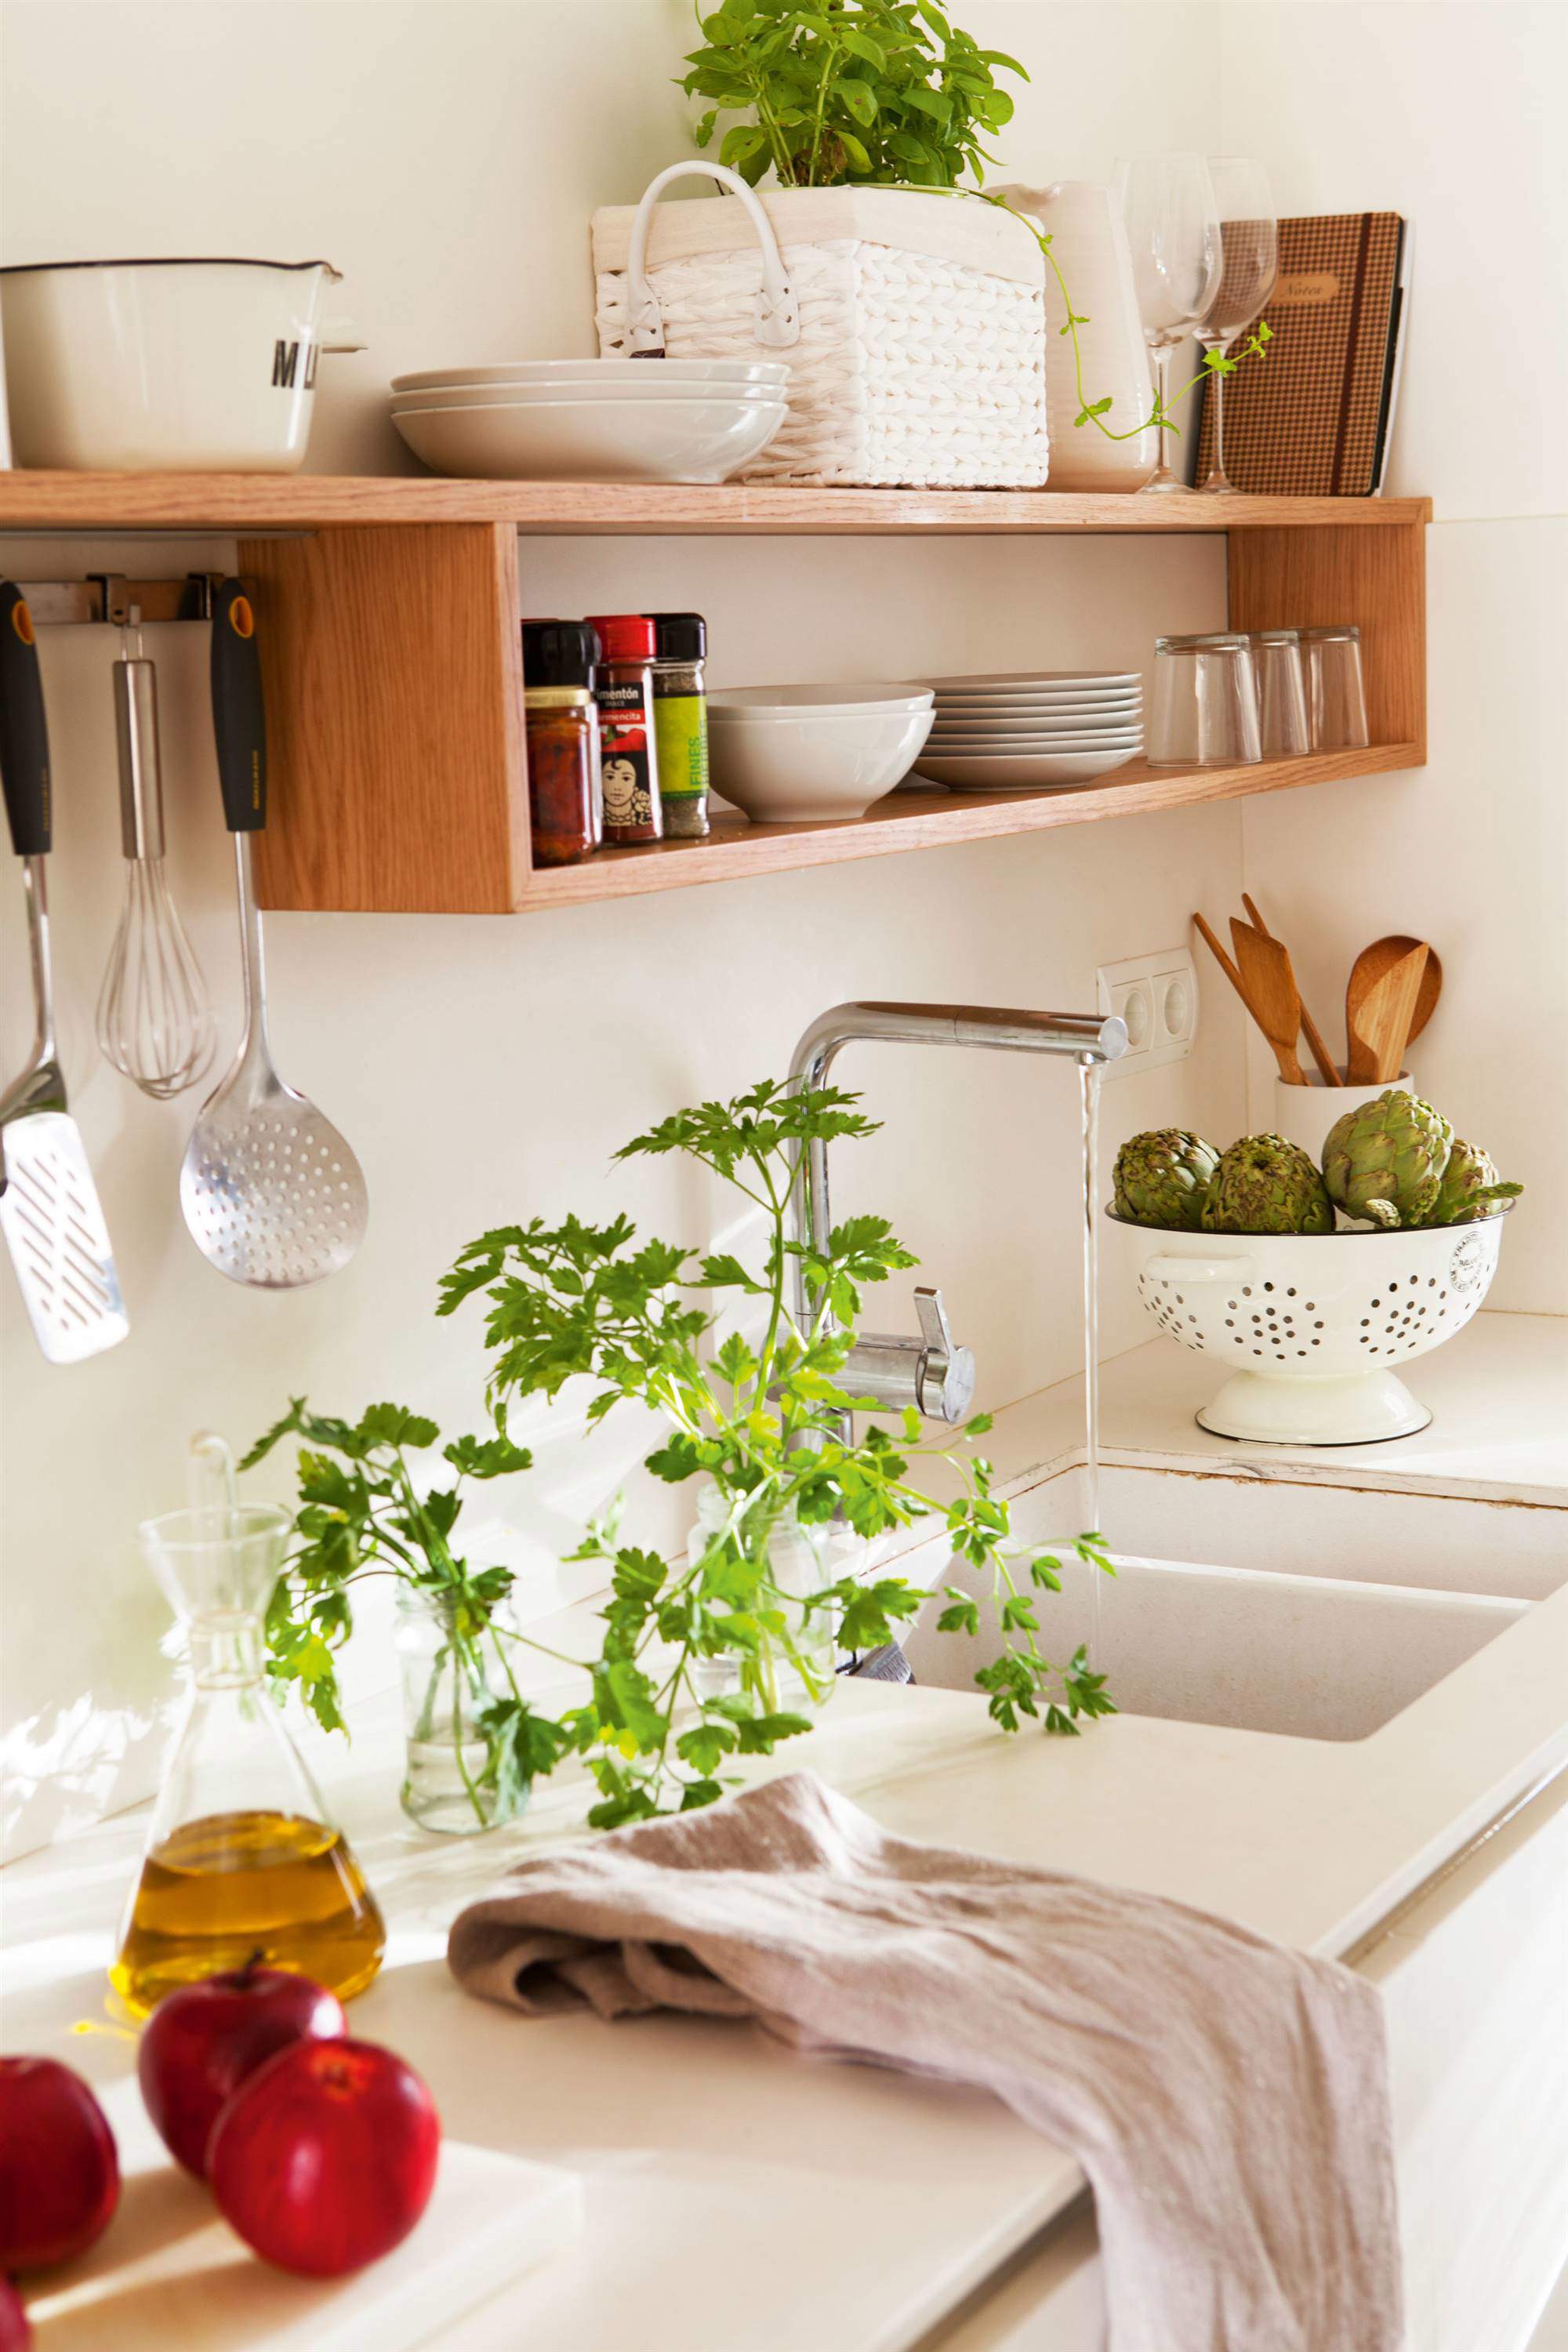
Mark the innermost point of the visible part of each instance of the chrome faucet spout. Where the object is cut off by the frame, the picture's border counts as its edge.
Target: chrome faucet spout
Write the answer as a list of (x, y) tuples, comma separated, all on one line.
[(936, 1370)]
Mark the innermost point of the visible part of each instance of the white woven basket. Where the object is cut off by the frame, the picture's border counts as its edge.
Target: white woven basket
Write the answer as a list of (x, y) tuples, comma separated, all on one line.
[(919, 358)]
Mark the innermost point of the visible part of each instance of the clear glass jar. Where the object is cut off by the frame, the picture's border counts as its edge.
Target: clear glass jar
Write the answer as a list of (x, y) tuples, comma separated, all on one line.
[(800, 1560), (562, 727), (1204, 711), (449, 1681), (1336, 695), (629, 742), (1282, 692)]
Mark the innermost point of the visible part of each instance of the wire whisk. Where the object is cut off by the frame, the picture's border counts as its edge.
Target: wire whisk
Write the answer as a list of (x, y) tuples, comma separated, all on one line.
[(154, 1018)]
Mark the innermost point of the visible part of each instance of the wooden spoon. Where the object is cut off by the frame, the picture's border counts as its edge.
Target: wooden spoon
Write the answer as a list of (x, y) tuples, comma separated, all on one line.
[(1320, 1054), (1271, 990), (1368, 968), (1380, 1025)]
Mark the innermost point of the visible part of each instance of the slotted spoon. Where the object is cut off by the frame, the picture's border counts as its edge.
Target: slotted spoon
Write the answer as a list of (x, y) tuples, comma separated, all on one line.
[(273, 1193)]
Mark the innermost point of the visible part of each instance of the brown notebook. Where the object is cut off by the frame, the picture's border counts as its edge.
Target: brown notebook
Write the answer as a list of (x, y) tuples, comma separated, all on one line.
[(1304, 420)]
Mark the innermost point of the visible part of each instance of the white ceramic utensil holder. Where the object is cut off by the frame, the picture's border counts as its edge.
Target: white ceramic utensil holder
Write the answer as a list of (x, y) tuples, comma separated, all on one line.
[(1312, 1325), (1304, 1115), (914, 326)]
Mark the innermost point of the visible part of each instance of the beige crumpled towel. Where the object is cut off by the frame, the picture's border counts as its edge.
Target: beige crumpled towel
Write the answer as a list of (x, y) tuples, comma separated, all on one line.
[(1227, 2099)]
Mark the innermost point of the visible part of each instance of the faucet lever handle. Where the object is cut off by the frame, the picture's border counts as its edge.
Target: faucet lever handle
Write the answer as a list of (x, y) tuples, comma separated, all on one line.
[(930, 1310)]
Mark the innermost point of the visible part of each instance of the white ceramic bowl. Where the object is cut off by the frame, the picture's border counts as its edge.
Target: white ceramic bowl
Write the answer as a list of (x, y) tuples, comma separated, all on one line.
[(522, 395), (593, 441), (971, 772), (827, 701), (814, 768), (1310, 1325), (723, 373), (164, 366)]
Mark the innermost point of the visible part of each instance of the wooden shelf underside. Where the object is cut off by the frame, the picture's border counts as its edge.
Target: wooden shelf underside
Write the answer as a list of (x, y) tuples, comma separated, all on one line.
[(933, 819), (269, 502)]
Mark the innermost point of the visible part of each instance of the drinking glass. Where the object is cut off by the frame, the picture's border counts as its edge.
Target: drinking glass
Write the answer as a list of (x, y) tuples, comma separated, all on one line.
[(1282, 691), (1249, 264), (1336, 697), (1205, 703), (1172, 229)]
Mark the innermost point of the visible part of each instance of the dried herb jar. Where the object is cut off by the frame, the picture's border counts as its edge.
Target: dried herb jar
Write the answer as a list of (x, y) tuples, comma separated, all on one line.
[(563, 725), (681, 722)]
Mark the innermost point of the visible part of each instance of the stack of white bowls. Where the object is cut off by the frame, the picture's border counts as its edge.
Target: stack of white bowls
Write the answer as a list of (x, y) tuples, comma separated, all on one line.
[(593, 420), (815, 754), (1041, 728)]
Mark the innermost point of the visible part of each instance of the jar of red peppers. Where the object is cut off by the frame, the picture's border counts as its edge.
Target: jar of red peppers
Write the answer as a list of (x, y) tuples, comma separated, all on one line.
[(565, 806), (623, 688)]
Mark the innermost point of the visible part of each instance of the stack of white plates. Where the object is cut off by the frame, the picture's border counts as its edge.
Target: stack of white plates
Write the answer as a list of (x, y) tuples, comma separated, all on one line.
[(593, 420), (1033, 727)]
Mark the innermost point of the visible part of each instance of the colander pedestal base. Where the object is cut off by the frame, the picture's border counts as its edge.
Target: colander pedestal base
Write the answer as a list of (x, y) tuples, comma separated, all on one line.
[(1358, 1410)]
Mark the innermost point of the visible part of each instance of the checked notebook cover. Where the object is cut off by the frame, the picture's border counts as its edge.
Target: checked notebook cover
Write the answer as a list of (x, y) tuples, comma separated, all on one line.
[(1305, 421)]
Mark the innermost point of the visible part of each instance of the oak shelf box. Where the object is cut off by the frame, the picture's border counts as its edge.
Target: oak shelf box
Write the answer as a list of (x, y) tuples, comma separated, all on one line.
[(390, 612)]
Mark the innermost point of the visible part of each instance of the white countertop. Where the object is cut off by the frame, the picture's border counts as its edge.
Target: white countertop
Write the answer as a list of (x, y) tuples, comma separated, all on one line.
[(742, 2198)]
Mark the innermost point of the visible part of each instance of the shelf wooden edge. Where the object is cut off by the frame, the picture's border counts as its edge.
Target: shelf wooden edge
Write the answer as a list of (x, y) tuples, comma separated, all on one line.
[(224, 504), (935, 820)]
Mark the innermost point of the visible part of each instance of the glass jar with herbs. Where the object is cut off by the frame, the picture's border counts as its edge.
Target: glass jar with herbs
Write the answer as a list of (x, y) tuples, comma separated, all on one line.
[(681, 722), (564, 792), (623, 688)]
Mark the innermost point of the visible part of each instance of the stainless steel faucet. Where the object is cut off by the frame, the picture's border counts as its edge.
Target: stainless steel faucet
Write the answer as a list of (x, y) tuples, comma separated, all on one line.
[(928, 1372)]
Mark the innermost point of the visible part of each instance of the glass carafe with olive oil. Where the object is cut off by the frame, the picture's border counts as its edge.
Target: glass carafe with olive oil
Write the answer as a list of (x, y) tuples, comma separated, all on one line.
[(242, 1861)]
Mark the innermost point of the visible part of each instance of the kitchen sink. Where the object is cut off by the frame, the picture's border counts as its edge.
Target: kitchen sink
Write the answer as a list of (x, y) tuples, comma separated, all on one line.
[(1259, 1604)]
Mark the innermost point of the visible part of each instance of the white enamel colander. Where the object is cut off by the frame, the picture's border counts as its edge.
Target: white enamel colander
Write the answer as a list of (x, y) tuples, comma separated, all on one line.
[(1312, 1326)]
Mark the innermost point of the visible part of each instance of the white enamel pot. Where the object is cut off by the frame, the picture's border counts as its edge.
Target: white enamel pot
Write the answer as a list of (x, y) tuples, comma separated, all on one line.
[(165, 367), (1312, 1326)]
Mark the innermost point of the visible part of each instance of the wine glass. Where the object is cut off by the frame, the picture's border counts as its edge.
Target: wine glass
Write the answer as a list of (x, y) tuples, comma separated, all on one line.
[(1172, 228), (1249, 264)]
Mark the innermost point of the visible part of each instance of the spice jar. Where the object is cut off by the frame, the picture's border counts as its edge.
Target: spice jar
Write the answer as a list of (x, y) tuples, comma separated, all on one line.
[(623, 688), (560, 655), (681, 722)]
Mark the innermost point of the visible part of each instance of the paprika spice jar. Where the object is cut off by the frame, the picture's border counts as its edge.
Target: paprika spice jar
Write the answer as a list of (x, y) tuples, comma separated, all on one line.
[(623, 688), (562, 728)]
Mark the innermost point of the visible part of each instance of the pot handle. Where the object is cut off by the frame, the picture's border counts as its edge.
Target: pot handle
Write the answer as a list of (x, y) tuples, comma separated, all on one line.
[(1163, 1268), (777, 312)]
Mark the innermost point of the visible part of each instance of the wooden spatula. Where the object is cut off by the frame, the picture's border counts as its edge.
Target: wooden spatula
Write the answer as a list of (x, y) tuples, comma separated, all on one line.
[(1314, 1036), (1381, 957), (1379, 1026), (1273, 992)]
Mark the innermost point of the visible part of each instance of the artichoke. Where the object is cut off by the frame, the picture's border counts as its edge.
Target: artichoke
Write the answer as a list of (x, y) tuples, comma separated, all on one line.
[(1470, 1187), (1385, 1162), (1265, 1185), (1161, 1177)]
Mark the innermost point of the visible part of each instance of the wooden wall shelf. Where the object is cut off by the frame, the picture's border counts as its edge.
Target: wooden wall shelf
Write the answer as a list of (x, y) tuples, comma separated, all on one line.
[(390, 614)]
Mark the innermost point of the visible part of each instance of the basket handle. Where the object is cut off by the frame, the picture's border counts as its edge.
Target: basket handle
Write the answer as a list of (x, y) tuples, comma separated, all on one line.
[(777, 312), (1164, 1268)]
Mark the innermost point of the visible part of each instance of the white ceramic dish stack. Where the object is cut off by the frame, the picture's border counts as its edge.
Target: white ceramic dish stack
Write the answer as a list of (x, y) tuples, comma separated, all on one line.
[(815, 754), (1040, 728), (593, 420)]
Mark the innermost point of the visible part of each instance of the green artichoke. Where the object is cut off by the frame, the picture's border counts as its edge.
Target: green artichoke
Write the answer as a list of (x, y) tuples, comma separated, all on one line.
[(1161, 1177), (1265, 1185), (1470, 1187), (1385, 1162)]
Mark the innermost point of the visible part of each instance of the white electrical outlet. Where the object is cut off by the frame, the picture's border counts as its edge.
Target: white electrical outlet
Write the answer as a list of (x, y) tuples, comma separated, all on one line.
[(1157, 996)]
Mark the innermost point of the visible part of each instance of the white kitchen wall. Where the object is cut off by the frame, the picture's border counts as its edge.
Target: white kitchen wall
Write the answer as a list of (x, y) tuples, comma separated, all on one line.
[(446, 158), (1447, 113)]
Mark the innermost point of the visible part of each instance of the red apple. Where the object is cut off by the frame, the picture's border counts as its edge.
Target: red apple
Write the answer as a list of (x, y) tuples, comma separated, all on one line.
[(60, 2172), (16, 2328), (325, 2159), (204, 2039)]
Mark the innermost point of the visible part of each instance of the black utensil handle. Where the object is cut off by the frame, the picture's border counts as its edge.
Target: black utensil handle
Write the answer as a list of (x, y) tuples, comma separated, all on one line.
[(24, 733), (239, 720)]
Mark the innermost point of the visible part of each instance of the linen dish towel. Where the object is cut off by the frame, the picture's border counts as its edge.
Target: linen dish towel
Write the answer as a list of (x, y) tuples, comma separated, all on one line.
[(1226, 2098)]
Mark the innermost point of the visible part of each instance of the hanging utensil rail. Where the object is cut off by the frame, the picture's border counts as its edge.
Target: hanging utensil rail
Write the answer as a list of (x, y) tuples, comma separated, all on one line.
[(108, 596)]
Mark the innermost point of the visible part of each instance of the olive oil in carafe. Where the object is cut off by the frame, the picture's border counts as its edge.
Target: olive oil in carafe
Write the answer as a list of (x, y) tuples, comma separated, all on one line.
[(228, 1888)]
